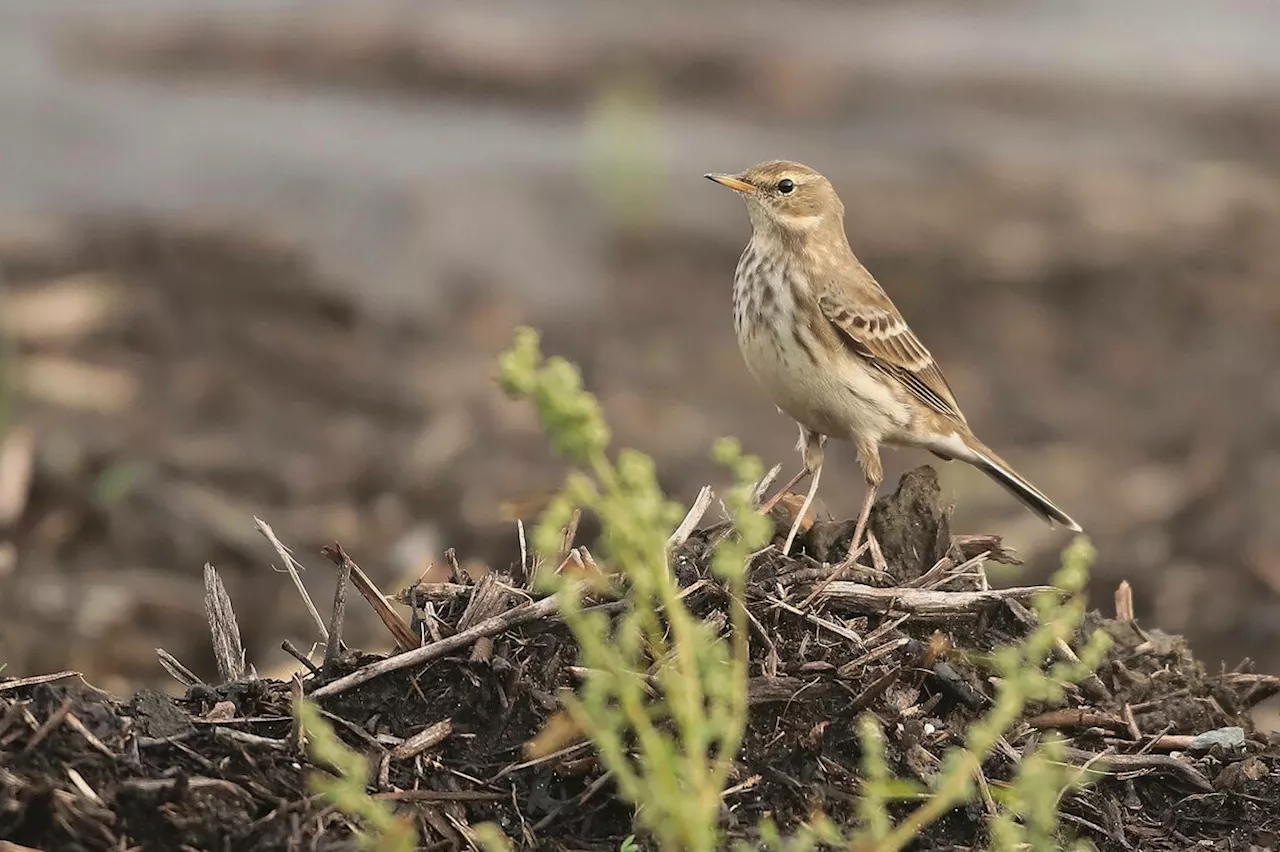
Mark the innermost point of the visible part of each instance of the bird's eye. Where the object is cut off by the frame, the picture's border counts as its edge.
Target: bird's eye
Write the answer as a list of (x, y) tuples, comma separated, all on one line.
[(786, 185)]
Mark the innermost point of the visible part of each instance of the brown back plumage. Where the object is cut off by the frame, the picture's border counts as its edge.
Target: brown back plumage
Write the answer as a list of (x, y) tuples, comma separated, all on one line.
[(871, 326)]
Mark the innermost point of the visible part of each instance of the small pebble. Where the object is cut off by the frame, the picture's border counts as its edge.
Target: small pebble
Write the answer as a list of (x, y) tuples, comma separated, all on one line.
[(1232, 737)]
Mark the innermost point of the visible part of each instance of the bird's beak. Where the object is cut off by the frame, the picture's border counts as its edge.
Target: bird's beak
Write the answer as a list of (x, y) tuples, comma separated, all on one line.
[(735, 183)]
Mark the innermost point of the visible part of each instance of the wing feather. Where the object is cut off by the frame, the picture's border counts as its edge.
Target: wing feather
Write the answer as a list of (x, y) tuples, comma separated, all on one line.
[(871, 326)]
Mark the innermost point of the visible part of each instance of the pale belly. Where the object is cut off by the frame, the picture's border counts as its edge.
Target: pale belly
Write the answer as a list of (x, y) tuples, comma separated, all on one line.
[(839, 399)]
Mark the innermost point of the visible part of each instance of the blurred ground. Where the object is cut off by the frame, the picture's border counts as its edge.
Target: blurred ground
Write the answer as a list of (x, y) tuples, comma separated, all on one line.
[(263, 259)]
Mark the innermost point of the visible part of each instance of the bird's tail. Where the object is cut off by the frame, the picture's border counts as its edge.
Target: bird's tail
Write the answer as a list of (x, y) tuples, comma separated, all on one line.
[(998, 469)]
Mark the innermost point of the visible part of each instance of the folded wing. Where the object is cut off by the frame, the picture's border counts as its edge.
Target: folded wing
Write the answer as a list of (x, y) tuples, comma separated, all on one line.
[(873, 329)]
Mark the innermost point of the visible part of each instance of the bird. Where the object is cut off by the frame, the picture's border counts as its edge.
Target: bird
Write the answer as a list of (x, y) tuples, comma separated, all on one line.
[(825, 341)]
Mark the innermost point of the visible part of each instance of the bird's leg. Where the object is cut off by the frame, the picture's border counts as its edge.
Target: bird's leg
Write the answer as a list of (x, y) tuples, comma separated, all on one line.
[(869, 457), (861, 526), (805, 438), (811, 447)]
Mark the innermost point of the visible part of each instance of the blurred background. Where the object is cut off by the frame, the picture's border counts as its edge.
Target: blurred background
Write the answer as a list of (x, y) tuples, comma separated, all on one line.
[(259, 258)]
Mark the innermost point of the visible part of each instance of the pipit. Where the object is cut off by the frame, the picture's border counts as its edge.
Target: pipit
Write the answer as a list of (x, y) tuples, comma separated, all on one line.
[(832, 350)]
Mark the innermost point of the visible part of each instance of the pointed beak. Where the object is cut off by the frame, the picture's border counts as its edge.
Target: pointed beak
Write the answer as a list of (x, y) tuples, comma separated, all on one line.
[(735, 183)]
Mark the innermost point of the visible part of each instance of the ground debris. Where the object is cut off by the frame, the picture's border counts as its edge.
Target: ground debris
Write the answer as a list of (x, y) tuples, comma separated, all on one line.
[(220, 769)]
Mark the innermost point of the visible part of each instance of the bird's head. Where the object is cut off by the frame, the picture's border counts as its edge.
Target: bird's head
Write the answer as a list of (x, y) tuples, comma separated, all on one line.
[(786, 197)]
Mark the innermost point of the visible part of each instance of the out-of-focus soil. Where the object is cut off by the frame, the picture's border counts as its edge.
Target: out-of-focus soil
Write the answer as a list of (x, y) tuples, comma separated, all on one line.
[(1110, 330)]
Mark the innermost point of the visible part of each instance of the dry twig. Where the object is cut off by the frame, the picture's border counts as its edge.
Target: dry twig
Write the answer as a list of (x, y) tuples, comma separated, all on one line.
[(50, 725), (74, 723), (488, 598), (840, 568), (20, 682), (176, 669), (691, 520), (292, 650), (400, 631), (1114, 763), (292, 566), (429, 737), (1124, 602), (517, 615), (855, 597), (333, 645)]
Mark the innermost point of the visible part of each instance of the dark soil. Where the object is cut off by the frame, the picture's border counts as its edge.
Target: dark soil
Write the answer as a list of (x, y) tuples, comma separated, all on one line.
[(168, 774)]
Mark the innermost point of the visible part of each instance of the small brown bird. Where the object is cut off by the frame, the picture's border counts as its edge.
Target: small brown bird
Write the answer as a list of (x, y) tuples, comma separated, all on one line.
[(828, 345)]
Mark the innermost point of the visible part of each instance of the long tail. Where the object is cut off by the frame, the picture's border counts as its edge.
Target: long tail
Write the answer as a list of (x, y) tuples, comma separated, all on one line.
[(998, 469)]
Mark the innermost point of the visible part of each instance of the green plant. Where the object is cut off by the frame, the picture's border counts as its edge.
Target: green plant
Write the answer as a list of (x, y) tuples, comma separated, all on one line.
[(491, 839), (684, 740), (380, 830)]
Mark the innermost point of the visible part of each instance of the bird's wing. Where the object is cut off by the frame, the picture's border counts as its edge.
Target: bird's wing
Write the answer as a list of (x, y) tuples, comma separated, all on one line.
[(872, 328)]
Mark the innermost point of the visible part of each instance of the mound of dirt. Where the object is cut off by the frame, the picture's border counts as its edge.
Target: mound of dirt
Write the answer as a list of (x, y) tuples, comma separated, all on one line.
[(219, 769)]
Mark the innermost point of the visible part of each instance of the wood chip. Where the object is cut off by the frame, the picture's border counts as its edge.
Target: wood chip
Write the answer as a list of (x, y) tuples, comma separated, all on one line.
[(227, 650), (429, 737)]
